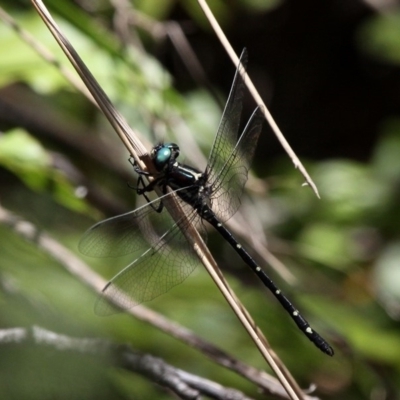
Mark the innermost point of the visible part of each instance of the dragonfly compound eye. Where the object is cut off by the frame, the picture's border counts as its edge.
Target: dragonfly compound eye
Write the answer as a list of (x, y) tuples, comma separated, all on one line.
[(174, 149), (162, 154), (161, 157)]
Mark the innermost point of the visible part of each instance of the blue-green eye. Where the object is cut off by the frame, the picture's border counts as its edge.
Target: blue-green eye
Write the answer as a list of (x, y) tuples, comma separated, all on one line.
[(163, 153)]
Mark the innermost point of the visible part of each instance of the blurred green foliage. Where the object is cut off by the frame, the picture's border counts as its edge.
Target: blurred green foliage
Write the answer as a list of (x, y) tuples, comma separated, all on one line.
[(343, 249), (380, 37)]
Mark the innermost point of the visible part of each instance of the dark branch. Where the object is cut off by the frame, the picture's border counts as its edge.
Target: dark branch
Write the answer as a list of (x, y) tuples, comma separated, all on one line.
[(185, 385)]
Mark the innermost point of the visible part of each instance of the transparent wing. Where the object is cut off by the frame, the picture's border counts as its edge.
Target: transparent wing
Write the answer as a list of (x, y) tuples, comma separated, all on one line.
[(164, 265), (228, 186), (121, 235), (168, 261), (128, 233), (228, 128)]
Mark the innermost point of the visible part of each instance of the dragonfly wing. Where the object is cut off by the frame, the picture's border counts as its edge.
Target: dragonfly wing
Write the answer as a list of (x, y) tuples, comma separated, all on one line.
[(164, 265), (228, 128), (228, 186), (126, 233)]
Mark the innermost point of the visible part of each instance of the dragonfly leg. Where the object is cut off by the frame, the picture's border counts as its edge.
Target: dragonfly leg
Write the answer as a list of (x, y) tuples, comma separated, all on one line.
[(141, 188)]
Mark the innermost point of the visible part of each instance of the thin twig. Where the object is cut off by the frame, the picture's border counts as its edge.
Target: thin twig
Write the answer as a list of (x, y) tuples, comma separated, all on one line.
[(117, 121)]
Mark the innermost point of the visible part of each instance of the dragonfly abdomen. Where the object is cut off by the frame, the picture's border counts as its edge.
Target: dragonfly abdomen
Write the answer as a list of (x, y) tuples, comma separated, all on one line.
[(300, 321)]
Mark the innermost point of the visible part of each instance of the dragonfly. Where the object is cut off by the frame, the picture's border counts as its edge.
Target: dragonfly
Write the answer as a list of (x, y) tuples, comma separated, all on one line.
[(212, 196)]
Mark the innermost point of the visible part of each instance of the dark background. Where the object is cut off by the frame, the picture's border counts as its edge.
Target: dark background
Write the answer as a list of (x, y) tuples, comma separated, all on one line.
[(309, 61)]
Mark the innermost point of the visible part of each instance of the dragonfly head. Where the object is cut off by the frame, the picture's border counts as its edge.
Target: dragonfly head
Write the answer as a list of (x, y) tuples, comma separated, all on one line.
[(164, 154)]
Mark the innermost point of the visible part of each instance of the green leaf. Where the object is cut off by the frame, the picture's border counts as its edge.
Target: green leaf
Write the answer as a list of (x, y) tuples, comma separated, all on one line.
[(23, 155), (28, 159)]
